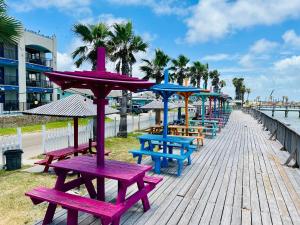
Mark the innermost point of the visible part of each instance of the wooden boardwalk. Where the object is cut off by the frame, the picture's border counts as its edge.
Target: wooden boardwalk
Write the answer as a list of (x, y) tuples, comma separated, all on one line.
[(236, 178)]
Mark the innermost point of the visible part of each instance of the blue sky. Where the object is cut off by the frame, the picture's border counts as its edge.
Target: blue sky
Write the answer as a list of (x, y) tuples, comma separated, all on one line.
[(255, 39)]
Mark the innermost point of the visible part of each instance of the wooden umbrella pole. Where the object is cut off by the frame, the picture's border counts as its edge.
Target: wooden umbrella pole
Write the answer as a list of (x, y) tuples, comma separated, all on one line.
[(186, 99), (75, 119), (203, 109)]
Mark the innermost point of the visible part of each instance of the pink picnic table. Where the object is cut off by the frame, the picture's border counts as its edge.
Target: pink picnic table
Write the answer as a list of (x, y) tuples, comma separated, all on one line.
[(125, 173)]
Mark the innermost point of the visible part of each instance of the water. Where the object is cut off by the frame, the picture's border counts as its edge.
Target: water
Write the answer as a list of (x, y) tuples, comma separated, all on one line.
[(293, 119)]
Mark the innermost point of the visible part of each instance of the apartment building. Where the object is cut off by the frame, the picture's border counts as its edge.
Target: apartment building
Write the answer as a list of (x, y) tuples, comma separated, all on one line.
[(23, 84)]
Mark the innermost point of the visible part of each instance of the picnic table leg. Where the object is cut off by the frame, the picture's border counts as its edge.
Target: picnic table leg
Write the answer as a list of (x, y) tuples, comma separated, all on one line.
[(180, 165), (164, 162), (89, 186), (72, 217), (101, 189), (49, 214), (145, 200), (170, 152), (122, 189), (61, 177), (139, 161), (157, 163), (49, 161)]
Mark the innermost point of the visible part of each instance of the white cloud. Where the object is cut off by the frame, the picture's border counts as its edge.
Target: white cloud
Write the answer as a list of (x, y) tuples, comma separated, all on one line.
[(258, 52), (216, 57), (65, 62), (262, 46), (290, 63), (148, 37), (160, 7), (214, 19), (291, 38), (73, 7), (247, 60), (108, 18)]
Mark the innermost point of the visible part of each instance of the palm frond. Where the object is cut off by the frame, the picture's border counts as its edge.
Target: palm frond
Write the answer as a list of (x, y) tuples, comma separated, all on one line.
[(84, 32), (11, 29)]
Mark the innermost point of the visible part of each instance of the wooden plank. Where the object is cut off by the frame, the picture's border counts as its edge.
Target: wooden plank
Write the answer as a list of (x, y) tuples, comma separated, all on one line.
[(236, 178)]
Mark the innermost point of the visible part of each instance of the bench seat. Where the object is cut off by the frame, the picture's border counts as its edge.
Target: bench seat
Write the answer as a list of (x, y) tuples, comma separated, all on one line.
[(107, 212), (174, 145), (153, 181), (157, 156)]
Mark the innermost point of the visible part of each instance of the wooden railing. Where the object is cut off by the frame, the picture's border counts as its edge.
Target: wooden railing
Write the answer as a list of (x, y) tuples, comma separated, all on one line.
[(289, 138)]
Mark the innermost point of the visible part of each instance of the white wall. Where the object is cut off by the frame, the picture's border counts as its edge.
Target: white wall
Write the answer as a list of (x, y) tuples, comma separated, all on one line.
[(29, 38), (22, 73)]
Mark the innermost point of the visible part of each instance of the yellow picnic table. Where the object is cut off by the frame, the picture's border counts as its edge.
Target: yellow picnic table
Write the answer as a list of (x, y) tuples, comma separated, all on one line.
[(155, 129), (195, 131)]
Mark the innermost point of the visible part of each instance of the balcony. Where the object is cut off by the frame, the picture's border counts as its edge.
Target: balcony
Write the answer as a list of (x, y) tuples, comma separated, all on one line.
[(11, 105), (39, 60), (41, 83), (9, 80), (8, 57)]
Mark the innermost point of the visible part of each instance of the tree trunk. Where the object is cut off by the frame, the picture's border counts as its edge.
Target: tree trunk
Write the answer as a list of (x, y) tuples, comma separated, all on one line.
[(124, 104), (157, 116), (123, 116), (205, 84)]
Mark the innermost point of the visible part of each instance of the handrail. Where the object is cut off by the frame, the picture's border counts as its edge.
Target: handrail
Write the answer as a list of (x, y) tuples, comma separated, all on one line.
[(287, 136)]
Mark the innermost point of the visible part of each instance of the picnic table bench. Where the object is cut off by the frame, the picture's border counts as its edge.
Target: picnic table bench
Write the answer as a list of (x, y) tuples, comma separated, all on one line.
[(109, 213), (194, 131), (160, 158), (65, 153)]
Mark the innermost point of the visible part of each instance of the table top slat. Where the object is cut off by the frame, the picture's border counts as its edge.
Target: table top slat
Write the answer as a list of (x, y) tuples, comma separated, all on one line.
[(176, 139), (116, 170)]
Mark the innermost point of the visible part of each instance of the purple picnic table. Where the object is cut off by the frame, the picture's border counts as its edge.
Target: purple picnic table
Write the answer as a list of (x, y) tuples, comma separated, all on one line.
[(100, 82), (125, 173)]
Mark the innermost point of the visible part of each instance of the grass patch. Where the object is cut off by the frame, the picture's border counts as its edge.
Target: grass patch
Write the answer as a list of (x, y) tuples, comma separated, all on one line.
[(50, 125), (16, 208), (119, 147)]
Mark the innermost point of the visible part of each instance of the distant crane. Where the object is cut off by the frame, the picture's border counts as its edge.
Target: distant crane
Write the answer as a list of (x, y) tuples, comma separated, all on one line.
[(271, 95)]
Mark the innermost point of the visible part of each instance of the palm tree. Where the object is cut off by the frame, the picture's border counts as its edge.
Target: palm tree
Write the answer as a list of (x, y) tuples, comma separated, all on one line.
[(242, 93), (222, 84), (124, 44), (180, 69), (197, 71), (238, 84), (215, 76), (154, 69), (248, 91), (93, 36), (205, 76), (11, 29)]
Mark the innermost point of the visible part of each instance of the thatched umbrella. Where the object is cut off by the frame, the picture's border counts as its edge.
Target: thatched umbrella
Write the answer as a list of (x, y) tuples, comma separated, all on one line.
[(75, 106), (158, 105)]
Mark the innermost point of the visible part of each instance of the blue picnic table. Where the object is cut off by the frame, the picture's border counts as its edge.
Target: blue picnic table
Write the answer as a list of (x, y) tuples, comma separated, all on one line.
[(213, 129), (150, 141)]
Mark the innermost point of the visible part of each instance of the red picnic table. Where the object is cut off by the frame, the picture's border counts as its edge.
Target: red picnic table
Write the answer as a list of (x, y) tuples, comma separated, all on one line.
[(127, 174), (101, 83)]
